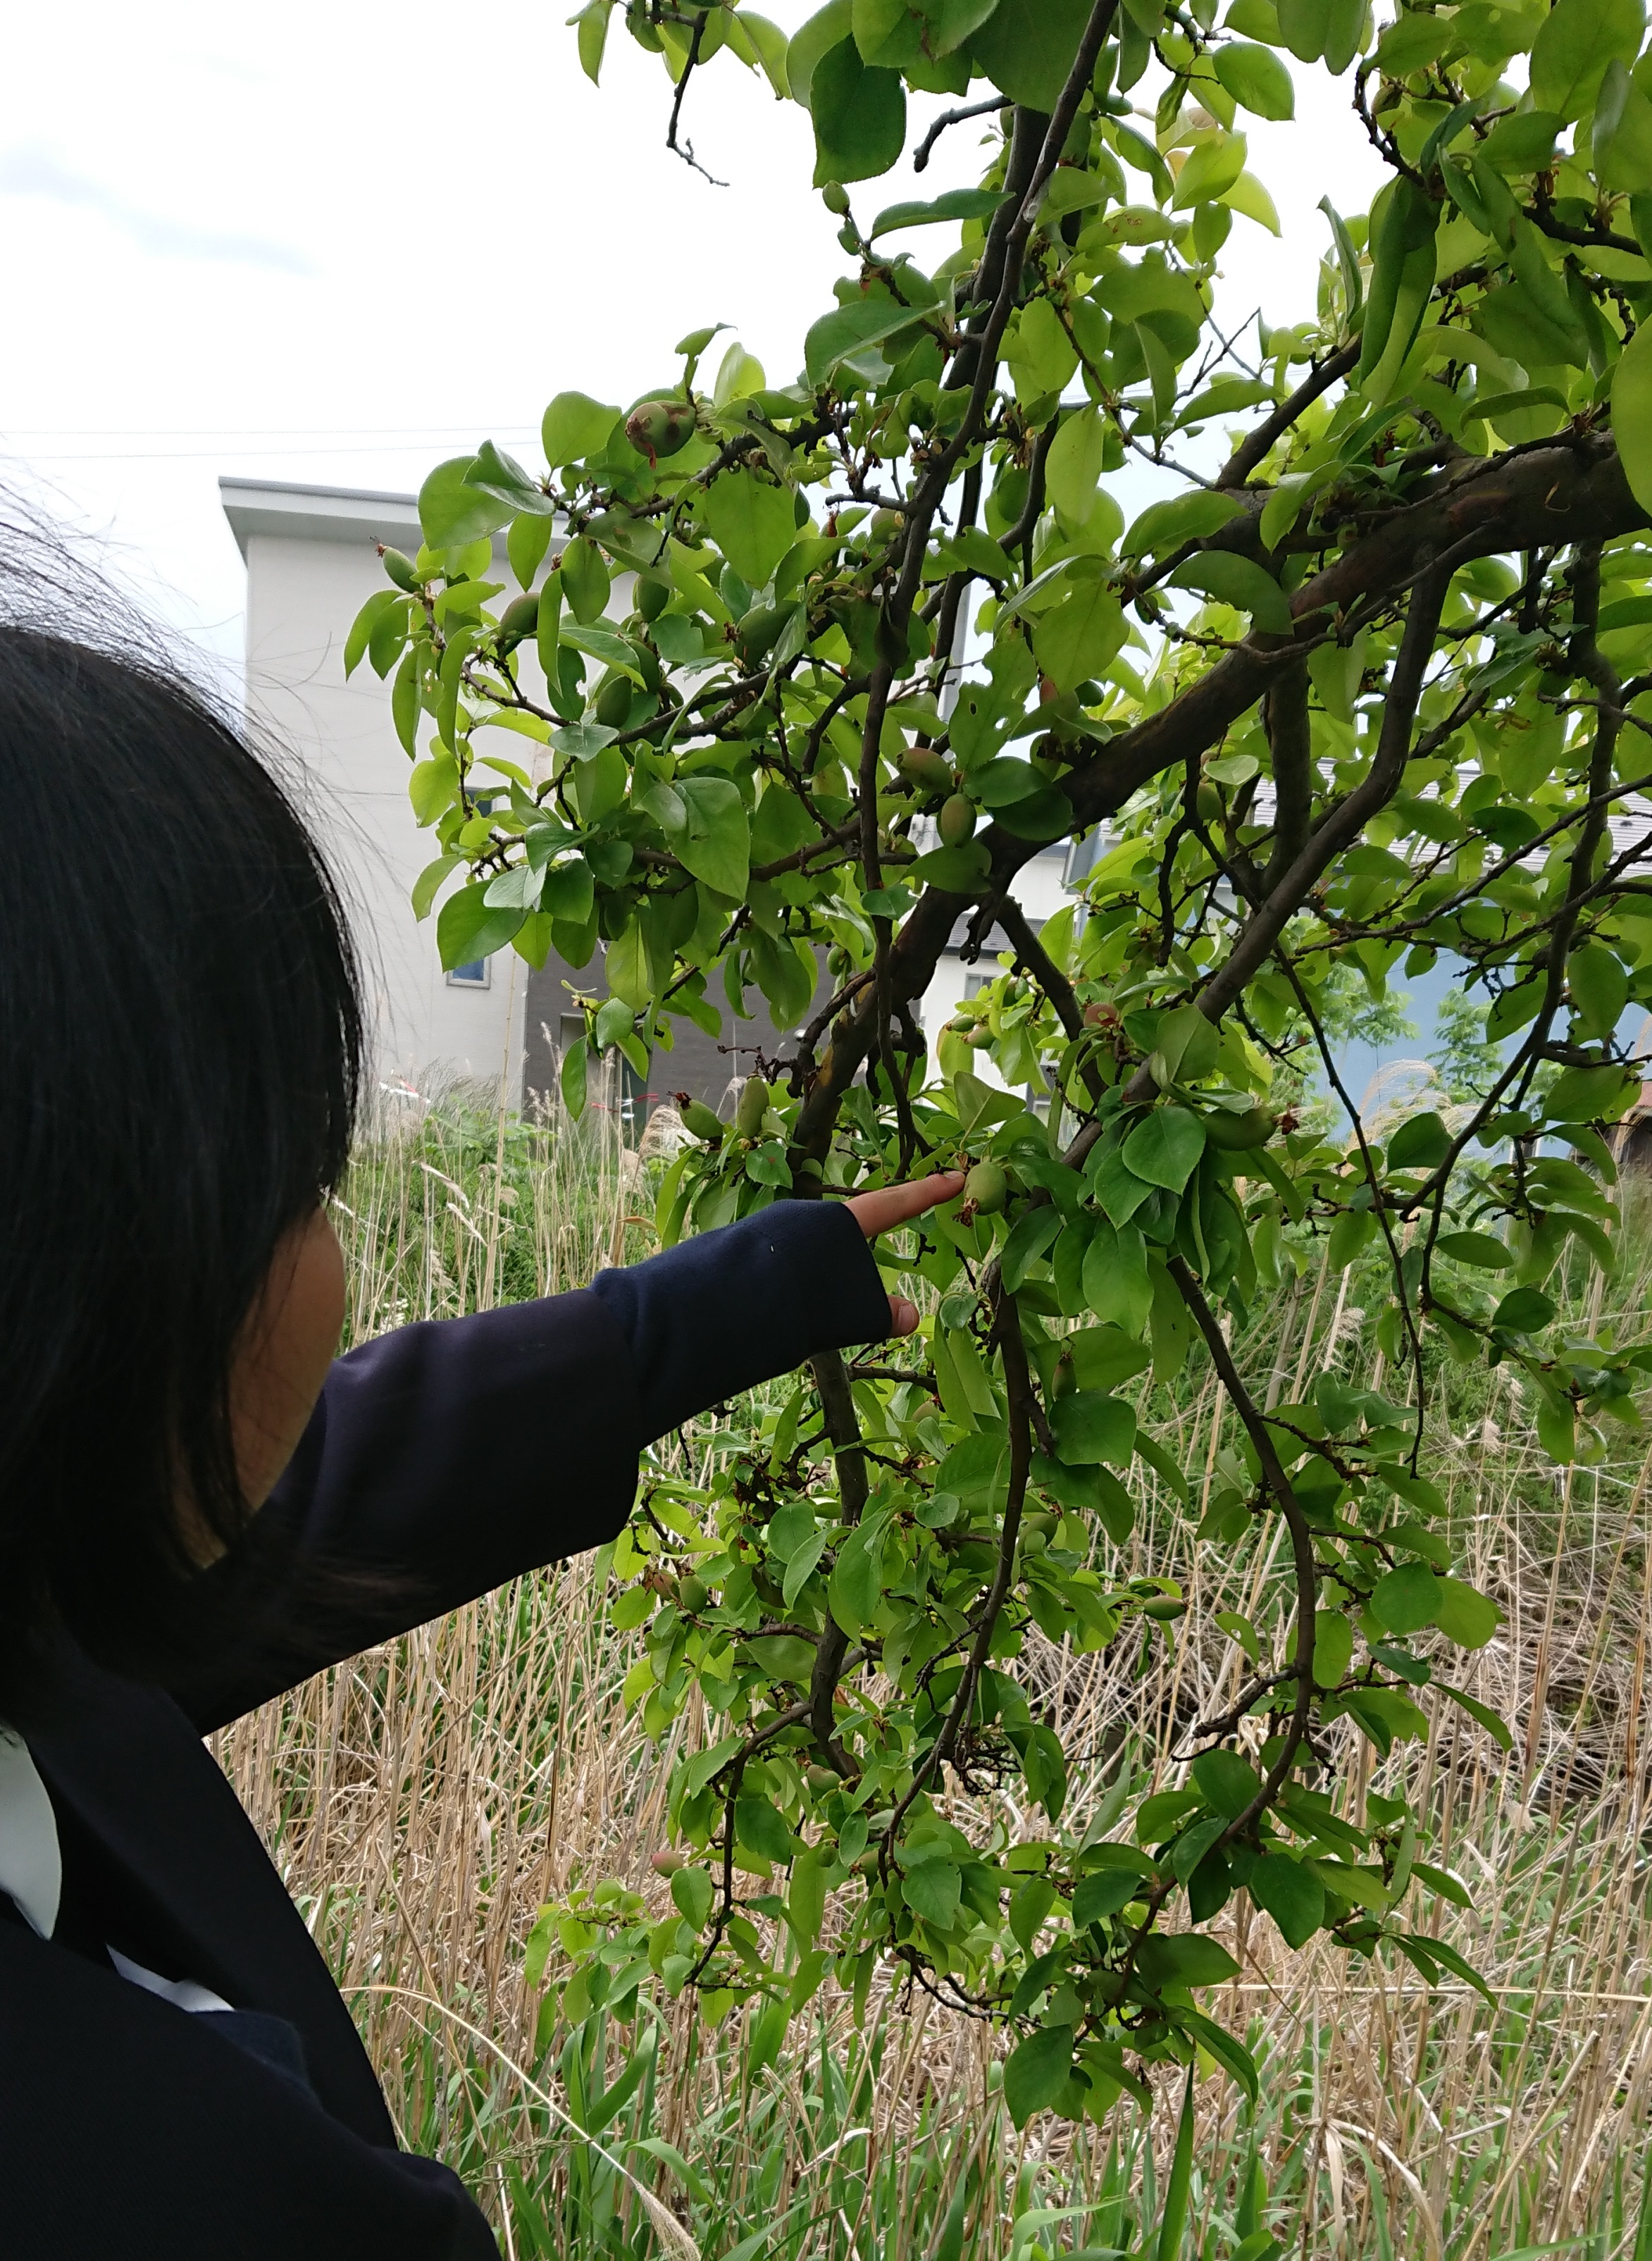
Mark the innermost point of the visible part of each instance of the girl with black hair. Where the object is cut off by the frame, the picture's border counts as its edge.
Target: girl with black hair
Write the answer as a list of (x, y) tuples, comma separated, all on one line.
[(199, 1507)]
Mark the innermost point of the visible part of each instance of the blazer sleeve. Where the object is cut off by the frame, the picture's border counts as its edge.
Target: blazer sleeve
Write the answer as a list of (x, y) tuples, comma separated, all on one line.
[(450, 1456)]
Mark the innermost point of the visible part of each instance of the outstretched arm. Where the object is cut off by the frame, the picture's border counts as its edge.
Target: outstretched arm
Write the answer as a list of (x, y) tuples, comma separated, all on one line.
[(450, 1456)]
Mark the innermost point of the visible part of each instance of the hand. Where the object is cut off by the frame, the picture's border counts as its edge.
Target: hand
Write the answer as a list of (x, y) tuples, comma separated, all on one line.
[(892, 1205)]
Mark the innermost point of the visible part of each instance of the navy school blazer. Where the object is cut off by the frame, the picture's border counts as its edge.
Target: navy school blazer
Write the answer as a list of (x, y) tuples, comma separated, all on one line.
[(442, 1459)]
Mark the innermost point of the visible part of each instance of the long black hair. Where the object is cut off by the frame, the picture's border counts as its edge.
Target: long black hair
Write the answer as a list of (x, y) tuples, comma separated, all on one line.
[(180, 1049)]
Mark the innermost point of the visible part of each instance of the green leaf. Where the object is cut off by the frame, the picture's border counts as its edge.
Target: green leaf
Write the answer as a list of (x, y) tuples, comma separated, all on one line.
[(1165, 1149), (826, 29), (1436, 1951), (575, 426), (1090, 1426), (955, 870), (452, 512), (592, 20), (495, 473), (693, 1890), (751, 520), (1524, 1311), (1228, 2051), (1026, 47), (1598, 981), (1227, 1783), (1248, 195), (1464, 1615), (426, 886), (957, 204), (1576, 40), (1211, 169), (1240, 582), (1482, 1713), (468, 927), (1103, 1894), (933, 1888), (1256, 78), (1073, 468), (1404, 1600), (1115, 1278), (586, 582), (1479, 1249), (1186, 1959), (1291, 1894), (761, 1827), (1165, 526), (1623, 132), (1037, 2071), (859, 114), (583, 741), (1593, 1094), (1031, 1235), (572, 1078), (851, 1592), (714, 843), (1173, 2218), (1332, 1647), (1083, 634), (1421, 1143), (379, 604), (847, 332)]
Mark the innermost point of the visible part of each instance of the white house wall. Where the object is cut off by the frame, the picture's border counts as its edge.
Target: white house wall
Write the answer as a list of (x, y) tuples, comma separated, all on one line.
[(351, 774)]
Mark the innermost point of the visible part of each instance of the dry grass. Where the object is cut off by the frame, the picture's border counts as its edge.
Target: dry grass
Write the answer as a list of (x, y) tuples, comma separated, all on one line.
[(425, 1800)]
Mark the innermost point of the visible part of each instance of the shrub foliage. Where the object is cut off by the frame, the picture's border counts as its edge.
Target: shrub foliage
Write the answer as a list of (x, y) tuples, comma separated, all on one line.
[(1366, 689)]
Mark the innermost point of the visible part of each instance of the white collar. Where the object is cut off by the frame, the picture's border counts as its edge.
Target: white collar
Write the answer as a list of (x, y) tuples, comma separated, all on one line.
[(31, 1859)]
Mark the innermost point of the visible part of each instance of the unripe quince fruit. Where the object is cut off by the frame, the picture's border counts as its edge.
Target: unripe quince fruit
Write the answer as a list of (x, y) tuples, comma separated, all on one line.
[(660, 428), (957, 820), (1238, 1134), (752, 1107), (986, 1189), (698, 1119)]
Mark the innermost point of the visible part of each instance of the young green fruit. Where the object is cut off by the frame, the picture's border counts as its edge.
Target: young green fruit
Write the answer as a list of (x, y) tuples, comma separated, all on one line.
[(400, 569), (956, 820), (614, 704), (1165, 1608), (1207, 801), (698, 1119), (961, 1024), (1237, 1134), (986, 1189), (887, 526), (926, 770), (834, 197), (693, 1593), (753, 1105), (761, 630), (667, 1863), (520, 619), (823, 1781), (660, 428)]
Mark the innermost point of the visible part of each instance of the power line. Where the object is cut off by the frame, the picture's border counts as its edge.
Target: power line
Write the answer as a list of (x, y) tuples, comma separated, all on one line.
[(188, 454), (244, 431)]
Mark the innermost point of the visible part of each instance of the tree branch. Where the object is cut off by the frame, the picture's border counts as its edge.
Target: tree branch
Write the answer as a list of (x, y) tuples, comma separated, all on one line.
[(921, 154), (1254, 448), (831, 1379), (1291, 738)]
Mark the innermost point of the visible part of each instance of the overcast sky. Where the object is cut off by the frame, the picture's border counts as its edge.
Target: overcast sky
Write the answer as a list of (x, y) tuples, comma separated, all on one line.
[(336, 244)]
